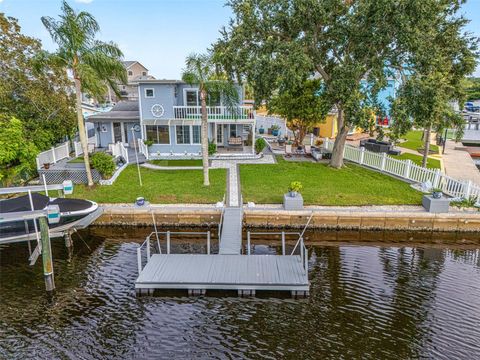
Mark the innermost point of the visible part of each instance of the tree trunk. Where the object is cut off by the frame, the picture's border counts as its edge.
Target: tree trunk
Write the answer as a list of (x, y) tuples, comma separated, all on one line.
[(337, 153), (81, 130), (426, 147), (203, 96)]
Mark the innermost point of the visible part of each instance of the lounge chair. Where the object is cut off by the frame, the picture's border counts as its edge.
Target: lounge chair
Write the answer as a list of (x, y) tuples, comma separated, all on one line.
[(288, 150), (308, 150)]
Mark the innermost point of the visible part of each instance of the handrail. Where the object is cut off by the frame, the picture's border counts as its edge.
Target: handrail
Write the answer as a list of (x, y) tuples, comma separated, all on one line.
[(303, 232)]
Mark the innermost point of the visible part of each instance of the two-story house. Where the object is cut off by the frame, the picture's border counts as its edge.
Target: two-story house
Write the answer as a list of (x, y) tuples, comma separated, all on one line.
[(135, 72), (168, 115)]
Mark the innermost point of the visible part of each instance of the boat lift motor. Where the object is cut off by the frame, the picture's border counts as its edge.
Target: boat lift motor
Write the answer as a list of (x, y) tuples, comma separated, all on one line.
[(67, 187), (53, 214)]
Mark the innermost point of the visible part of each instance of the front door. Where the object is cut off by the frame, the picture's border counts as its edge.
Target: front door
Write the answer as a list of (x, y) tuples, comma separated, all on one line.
[(219, 134), (117, 132)]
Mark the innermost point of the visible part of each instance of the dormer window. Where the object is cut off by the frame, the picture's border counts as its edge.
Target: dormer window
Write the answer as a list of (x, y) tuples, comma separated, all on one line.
[(149, 93), (144, 73), (130, 72)]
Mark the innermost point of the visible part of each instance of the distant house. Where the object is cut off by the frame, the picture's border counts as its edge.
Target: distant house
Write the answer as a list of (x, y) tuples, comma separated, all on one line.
[(135, 72), (168, 115)]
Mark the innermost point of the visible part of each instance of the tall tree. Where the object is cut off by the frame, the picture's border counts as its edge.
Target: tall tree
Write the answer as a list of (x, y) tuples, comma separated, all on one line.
[(278, 43), (94, 64), (200, 70), (33, 88), (302, 106)]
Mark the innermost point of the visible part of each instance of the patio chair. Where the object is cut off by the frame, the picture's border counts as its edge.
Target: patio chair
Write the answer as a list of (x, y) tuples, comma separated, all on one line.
[(308, 150)]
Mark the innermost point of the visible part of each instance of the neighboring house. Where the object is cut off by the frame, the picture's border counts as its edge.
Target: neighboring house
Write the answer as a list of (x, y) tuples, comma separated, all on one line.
[(168, 114), (135, 72)]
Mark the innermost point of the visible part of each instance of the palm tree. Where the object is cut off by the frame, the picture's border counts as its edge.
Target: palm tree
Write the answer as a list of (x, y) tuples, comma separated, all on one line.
[(93, 64), (200, 70)]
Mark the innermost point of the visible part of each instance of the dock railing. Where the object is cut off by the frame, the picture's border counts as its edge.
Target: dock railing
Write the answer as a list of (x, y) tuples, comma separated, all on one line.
[(147, 248)]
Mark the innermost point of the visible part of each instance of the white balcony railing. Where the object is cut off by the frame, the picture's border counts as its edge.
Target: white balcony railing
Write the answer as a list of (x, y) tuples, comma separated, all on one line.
[(214, 113)]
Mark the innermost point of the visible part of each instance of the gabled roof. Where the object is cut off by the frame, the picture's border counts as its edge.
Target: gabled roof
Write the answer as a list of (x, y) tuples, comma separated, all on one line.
[(123, 110), (129, 64)]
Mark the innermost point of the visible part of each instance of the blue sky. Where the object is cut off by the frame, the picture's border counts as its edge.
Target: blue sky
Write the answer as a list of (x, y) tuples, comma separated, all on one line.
[(158, 33)]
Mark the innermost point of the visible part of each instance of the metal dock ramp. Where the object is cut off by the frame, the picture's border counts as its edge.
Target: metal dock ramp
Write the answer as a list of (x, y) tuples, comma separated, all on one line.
[(231, 231)]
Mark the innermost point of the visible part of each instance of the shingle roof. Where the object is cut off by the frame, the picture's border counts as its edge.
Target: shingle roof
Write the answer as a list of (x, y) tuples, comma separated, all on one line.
[(124, 110), (127, 64)]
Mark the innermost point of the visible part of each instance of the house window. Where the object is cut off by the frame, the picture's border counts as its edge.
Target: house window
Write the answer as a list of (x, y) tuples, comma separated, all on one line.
[(191, 97), (213, 100), (233, 130), (159, 134), (130, 73), (144, 73), (149, 93), (196, 137), (183, 134)]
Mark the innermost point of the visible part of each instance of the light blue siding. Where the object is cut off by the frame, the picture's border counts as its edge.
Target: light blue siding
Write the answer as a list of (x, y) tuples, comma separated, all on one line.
[(104, 138), (164, 94)]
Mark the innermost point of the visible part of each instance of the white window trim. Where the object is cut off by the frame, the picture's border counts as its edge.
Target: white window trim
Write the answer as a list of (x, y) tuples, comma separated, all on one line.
[(145, 92), (191, 132), (185, 95), (169, 138)]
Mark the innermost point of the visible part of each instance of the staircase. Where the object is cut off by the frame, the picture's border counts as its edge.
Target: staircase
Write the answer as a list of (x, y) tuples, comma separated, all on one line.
[(132, 159), (231, 232)]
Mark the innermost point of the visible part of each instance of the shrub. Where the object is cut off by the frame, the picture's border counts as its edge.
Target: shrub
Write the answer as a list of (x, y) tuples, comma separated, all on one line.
[(470, 202), (103, 163), (148, 142), (212, 148), (260, 144), (295, 186)]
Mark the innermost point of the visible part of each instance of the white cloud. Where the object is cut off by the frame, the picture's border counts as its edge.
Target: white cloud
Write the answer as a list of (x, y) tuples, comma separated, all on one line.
[(81, 1)]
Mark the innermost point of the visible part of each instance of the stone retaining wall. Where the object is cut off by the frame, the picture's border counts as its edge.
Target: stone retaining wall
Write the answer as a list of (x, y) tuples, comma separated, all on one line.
[(208, 215)]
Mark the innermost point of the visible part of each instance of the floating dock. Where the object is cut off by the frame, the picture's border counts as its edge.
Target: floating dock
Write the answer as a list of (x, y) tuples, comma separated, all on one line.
[(227, 270)]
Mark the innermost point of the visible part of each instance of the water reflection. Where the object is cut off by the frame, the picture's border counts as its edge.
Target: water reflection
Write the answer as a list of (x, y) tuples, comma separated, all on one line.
[(366, 302)]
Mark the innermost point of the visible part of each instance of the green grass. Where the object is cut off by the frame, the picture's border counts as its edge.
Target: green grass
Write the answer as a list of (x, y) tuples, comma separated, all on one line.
[(414, 141), (417, 159), (189, 162), (323, 185), (76, 160), (159, 187)]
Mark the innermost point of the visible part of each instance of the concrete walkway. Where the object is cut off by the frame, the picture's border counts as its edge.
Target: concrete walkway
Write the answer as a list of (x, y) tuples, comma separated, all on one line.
[(157, 167), (458, 163)]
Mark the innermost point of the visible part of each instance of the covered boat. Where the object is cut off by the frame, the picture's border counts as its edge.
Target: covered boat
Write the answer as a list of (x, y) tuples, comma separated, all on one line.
[(74, 213)]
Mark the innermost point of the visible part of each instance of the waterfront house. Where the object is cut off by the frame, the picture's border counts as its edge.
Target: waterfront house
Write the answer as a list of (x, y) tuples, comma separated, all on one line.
[(168, 117)]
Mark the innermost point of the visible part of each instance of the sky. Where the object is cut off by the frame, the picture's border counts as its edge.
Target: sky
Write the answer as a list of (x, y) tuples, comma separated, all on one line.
[(157, 33)]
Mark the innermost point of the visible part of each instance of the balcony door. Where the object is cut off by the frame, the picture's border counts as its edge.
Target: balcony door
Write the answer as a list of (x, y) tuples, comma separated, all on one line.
[(219, 134)]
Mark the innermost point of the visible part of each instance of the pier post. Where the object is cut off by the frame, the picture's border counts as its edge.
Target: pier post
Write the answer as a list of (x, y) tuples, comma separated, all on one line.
[(168, 242), (46, 255), (68, 239), (208, 242), (248, 243), (283, 242)]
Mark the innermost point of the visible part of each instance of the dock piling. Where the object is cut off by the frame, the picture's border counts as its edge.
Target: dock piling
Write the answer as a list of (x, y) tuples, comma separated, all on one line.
[(46, 254)]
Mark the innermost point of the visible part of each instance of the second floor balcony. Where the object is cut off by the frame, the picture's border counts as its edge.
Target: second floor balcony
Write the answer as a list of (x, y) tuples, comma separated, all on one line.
[(214, 113)]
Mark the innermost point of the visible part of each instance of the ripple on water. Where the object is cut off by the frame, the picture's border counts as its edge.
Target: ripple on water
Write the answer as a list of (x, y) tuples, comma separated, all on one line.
[(368, 302)]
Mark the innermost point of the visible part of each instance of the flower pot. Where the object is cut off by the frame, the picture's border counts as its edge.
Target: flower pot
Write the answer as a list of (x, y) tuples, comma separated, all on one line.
[(46, 166), (437, 194), (293, 193), (261, 130), (140, 201), (275, 132)]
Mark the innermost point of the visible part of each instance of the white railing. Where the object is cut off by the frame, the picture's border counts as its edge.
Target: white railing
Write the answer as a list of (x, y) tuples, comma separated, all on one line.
[(142, 148), (91, 143), (407, 170), (118, 149), (214, 113), (53, 155)]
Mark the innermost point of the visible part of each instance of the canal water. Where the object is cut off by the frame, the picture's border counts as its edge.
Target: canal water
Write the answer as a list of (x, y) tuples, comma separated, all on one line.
[(370, 302)]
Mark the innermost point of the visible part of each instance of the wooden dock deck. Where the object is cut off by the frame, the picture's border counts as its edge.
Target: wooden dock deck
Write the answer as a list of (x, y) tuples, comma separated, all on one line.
[(244, 273)]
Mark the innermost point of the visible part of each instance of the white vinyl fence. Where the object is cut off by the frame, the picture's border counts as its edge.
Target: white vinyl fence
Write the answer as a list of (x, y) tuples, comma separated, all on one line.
[(77, 145), (118, 149), (53, 155), (407, 170)]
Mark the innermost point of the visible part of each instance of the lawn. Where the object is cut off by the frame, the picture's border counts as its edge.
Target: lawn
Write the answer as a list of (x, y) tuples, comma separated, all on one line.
[(189, 162), (323, 185), (414, 141), (159, 187), (417, 159), (76, 160)]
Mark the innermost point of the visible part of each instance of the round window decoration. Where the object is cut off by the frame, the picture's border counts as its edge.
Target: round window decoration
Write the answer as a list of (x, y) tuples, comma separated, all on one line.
[(157, 110), (136, 128)]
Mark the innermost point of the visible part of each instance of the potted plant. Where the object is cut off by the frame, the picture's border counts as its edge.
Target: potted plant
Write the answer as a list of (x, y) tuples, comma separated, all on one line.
[(294, 188), (436, 193), (46, 166), (148, 142), (275, 128), (261, 130)]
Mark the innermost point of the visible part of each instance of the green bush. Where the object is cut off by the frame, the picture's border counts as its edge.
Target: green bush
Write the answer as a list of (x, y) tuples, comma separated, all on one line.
[(103, 163), (148, 142), (212, 148), (260, 144), (295, 186)]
